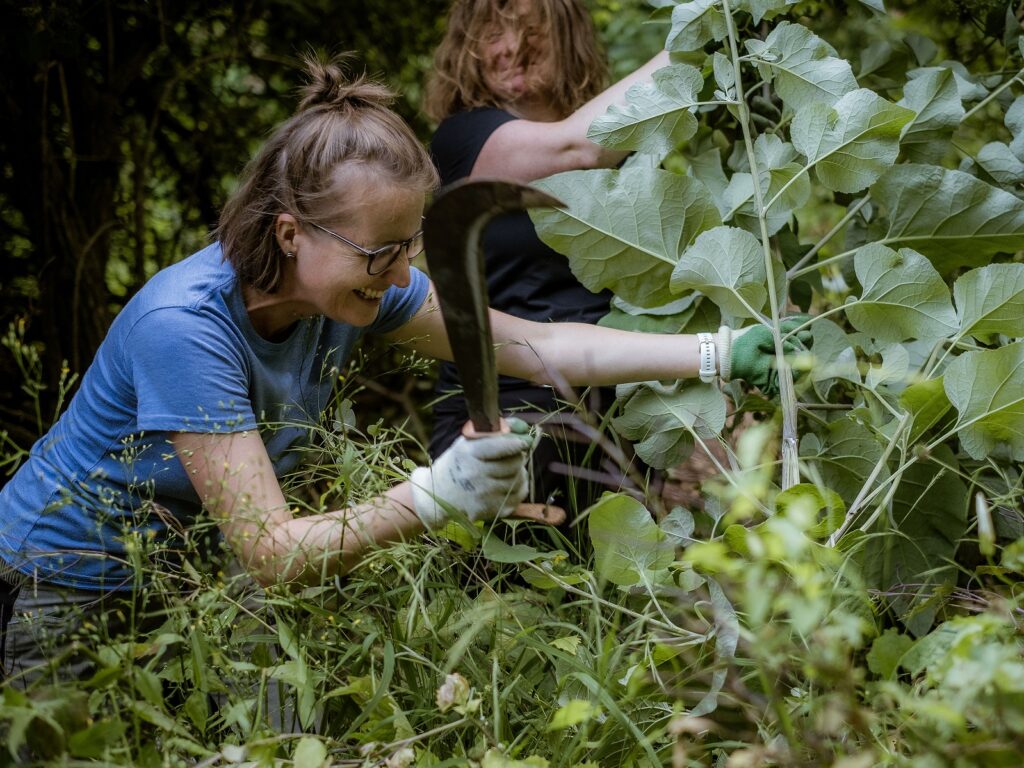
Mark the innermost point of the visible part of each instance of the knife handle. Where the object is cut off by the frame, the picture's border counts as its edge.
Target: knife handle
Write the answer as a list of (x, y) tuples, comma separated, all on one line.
[(548, 514)]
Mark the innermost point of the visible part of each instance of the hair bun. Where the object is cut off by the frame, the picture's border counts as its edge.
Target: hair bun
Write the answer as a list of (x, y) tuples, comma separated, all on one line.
[(330, 85)]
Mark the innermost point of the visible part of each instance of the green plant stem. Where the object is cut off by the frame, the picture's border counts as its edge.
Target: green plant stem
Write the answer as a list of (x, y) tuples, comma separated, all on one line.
[(675, 630), (826, 263), (866, 488), (787, 395), (495, 699), (813, 320), (840, 225), (995, 94)]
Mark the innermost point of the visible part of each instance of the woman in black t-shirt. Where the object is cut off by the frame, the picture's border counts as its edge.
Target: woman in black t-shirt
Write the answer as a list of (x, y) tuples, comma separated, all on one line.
[(515, 86)]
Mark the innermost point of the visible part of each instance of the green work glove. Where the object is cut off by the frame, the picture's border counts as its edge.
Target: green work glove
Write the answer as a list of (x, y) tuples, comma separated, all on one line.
[(749, 353)]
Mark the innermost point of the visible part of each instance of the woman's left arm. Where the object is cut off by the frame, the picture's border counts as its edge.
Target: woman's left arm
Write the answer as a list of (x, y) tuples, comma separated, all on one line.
[(577, 354)]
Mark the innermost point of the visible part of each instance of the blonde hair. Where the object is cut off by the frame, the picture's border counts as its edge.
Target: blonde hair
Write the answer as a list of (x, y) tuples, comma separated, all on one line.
[(341, 121), (457, 82)]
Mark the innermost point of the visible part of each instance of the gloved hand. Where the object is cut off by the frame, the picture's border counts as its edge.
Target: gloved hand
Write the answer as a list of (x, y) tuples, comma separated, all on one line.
[(483, 478), (749, 353)]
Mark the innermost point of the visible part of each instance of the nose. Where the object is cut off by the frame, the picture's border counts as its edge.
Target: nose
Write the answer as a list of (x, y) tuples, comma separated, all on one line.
[(399, 273)]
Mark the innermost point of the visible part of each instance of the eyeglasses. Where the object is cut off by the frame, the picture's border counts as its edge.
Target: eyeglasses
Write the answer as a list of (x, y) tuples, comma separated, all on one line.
[(380, 259)]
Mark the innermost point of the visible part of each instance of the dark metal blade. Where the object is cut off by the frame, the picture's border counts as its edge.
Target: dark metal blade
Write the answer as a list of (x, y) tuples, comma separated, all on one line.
[(452, 234)]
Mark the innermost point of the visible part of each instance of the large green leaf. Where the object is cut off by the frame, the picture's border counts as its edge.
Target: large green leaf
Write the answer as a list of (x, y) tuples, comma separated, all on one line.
[(625, 230), (951, 217), (690, 314), (927, 403), (845, 455), (894, 372), (657, 116), (762, 9), (987, 390), (999, 162), (726, 264), (904, 297), (909, 561), (934, 97), (1015, 123), (851, 142), (662, 420), (834, 356), (991, 300), (627, 541), (696, 23), (777, 171), (804, 67)]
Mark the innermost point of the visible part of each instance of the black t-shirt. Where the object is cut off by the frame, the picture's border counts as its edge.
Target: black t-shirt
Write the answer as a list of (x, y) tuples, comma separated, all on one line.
[(525, 278)]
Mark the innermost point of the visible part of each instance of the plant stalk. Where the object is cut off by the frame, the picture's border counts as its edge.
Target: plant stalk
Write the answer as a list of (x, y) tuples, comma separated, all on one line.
[(787, 394)]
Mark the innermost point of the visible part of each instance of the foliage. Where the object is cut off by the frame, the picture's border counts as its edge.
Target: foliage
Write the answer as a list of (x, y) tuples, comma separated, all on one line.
[(849, 593), (918, 275), (128, 122)]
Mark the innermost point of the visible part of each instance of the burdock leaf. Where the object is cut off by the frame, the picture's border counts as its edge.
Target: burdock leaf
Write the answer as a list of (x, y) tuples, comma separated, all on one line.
[(999, 162), (696, 23), (625, 230), (627, 541), (927, 403), (804, 67), (726, 264), (934, 97), (914, 556), (851, 142), (987, 390), (991, 300), (657, 116), (949, 216), (663, 420), (904, 297)]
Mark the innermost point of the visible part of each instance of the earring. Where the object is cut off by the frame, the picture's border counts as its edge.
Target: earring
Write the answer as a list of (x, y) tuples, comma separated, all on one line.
[(289, 255)]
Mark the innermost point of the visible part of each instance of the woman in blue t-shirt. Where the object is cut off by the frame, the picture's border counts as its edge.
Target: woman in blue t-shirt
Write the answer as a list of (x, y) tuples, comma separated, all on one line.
[(182, 412), (515, 86)]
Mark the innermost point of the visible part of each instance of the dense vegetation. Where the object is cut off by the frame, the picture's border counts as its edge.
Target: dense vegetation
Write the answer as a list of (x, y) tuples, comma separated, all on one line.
[(847, 593)]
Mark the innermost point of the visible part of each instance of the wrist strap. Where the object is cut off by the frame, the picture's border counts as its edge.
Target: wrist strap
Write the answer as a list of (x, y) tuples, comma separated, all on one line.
[(725, 352), (708, 357)]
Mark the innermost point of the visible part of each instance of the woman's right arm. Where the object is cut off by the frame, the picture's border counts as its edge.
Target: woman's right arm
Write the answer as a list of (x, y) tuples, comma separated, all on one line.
[(525, 150), (235, 480)]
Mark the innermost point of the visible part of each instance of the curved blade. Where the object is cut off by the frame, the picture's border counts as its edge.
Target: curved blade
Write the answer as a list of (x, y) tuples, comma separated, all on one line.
[(452, 233)]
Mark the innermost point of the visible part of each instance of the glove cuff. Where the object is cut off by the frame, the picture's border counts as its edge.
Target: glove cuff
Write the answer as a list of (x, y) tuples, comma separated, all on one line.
[(424, 503), (724, 344)]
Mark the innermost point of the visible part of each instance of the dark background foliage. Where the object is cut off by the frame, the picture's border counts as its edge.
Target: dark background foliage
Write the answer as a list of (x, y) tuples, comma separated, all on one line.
[(126, 122)]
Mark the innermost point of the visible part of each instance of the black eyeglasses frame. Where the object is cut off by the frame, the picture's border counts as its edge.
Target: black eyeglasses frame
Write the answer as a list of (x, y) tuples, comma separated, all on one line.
[(391, 252)]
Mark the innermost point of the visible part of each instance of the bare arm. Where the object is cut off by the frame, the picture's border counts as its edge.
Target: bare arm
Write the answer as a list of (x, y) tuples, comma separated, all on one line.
[(571, 353), (525, 150), (235, 480)]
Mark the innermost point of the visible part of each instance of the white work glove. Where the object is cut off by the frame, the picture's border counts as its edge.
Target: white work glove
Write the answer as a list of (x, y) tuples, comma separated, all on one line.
[(483, 478)]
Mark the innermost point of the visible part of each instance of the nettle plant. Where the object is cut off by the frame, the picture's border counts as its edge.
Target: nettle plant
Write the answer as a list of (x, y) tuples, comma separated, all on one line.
[(907, 428)]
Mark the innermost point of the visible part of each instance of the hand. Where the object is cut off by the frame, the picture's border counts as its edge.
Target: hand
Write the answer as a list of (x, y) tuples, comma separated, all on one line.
[(749, 353), (483, 478)]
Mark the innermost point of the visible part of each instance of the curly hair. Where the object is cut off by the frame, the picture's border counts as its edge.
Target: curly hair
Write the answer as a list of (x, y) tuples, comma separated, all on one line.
[(457, 83)]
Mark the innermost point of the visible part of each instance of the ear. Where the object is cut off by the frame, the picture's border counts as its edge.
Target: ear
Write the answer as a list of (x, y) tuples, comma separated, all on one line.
[(286, 228)]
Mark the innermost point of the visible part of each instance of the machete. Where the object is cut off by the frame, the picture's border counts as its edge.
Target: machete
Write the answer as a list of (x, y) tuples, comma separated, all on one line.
[(452, 234)]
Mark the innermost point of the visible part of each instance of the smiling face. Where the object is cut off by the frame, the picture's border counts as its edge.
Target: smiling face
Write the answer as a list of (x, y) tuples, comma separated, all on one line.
[(327, 277), (517, 63)]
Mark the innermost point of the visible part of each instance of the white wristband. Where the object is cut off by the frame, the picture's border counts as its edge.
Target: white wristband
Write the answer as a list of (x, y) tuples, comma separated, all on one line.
[(708, 357), (725, 352)]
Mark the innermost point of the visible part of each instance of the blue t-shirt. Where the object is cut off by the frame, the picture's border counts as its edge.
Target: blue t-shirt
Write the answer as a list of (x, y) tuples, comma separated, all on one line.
[(182, 356)]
